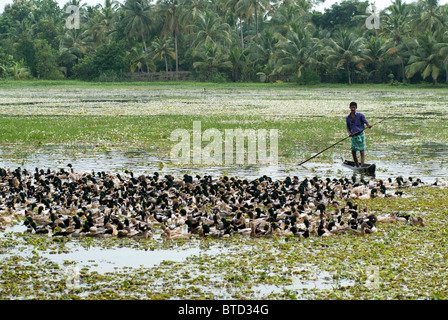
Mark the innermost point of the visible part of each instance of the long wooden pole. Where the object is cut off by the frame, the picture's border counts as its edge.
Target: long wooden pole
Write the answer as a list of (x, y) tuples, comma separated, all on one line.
[(339, 142)]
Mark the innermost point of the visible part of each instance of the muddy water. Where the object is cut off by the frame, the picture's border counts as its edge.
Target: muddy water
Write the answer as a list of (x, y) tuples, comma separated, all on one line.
[(104, 260), (428, 164)]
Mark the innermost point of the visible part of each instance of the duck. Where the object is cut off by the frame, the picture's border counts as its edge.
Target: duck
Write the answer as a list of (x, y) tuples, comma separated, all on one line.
[(366, 228), (124, 205), (368, 195), (279, 232), (31, 225), (392, 218), (417, 221), (7, 219), (174, 234), (265, 232), (206, 231), (75, 177)]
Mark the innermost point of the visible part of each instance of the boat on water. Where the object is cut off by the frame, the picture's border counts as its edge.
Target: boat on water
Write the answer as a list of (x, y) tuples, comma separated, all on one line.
[(367, 168)]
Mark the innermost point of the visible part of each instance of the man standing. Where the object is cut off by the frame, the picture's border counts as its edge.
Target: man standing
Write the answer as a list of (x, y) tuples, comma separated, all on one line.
[(355, 124)]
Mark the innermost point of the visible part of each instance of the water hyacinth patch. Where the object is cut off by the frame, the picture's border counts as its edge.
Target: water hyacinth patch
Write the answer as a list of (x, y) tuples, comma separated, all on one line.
[(408, 262)]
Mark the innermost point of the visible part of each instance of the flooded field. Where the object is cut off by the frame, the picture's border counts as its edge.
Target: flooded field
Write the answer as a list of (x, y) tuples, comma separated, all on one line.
[(428, 163), (414, 143)]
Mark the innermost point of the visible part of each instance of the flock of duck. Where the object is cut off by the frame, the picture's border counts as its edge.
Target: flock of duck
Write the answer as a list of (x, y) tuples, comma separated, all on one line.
[(99, 204)]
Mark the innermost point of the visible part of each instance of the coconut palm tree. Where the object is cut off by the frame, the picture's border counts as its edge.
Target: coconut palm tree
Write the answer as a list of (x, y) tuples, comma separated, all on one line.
[(163, 48), (102, 22), (378, 57), (261, 52), (137, 18), (139, 58), (238, 60), (171, 11), (77, 41), (211, 58), (430, 18), (288, 18), (217, 6), (209, 27), (296, 51), (397, 20), (232, 6), (443, 52), (190, 10), (426, 57), (253, 8), (22, 35), (348, 51), (25, 29), (75, 44)]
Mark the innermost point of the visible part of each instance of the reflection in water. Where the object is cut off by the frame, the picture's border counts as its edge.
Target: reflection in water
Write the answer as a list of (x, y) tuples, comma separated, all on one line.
[(144, 163)]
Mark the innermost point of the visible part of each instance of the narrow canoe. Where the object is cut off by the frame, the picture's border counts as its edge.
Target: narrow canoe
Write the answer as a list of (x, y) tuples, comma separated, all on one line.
[(368, 168)]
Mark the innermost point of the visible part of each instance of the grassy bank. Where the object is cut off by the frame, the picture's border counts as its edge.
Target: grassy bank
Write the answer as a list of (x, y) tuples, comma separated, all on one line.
[(255, 85)]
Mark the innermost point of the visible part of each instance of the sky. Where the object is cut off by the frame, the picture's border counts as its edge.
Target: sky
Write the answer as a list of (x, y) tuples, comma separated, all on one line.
[(380, 4)]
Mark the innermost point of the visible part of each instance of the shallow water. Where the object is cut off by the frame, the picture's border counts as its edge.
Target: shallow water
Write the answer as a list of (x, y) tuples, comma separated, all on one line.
[(103, 260), (430, 164)]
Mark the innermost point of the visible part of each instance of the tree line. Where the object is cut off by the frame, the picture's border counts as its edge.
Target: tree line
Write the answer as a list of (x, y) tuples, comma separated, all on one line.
[(227, 40)]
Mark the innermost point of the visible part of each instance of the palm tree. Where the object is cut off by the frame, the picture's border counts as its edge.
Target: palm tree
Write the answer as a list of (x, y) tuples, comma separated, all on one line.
[(102, 21), (19, 70), (288, 18), (261, 52), (25, 29), (171, 25), (426, 57), (232, 6), (210, 58), (75, 44), (295, 52), (162, 49), (397, 26), (77, 41), (430, 18), (217, 6), (237, 58), (377, 51), (209, 28), (138, 58), (95, 26), (137, 18), (190, 11), (443, 52), (396, 21), (253, 7), (22, 36), (348, 51)]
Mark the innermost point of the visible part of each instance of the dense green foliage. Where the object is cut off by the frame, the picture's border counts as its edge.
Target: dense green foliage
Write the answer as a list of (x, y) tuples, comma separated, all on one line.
[(229, 40)]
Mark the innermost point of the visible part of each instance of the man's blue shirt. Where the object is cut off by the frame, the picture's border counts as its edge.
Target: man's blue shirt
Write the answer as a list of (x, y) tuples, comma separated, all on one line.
[(357, 124)]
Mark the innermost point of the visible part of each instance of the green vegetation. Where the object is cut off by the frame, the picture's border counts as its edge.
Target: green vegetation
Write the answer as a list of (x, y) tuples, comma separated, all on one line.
[(142, 116), (410, 263), (410, 260), (151, 133), (226, 41)]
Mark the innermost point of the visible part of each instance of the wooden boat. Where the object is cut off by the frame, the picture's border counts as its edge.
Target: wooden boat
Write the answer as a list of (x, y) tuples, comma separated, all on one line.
[(367, 168)]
